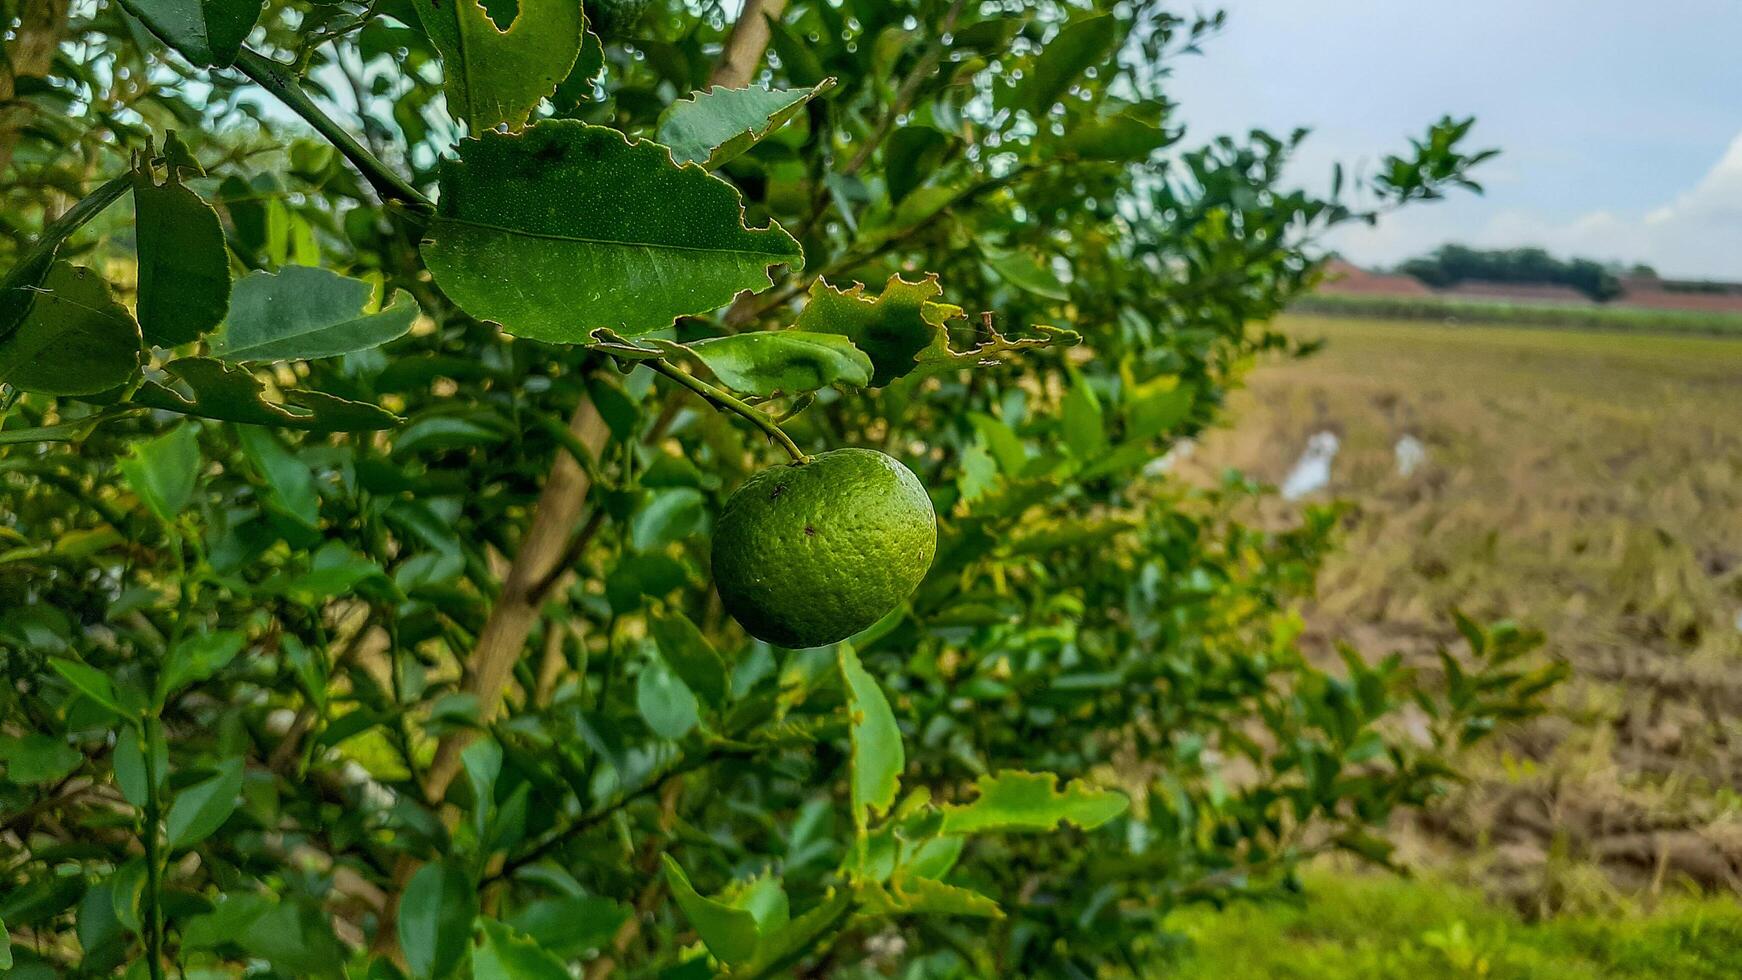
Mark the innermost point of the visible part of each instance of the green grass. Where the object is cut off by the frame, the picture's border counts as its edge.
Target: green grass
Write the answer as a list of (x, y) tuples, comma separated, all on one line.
[(1585, 482), (1373, 927), (1444, 308)]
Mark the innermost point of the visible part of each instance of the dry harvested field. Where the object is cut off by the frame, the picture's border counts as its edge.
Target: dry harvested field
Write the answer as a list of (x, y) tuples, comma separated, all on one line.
[(1589, 484)]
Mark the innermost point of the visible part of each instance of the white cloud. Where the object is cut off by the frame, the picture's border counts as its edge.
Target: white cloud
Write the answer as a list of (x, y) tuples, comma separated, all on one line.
[(1698, 233)]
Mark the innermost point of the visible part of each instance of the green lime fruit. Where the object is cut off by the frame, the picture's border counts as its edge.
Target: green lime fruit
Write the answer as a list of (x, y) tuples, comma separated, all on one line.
[(810, 553)]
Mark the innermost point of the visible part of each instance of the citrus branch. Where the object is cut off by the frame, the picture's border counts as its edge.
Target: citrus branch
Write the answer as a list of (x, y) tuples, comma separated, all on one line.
[(277, 79), (719, 397)]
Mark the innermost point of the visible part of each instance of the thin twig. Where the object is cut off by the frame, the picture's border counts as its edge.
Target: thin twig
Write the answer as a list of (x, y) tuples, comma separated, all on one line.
[(278, 79)]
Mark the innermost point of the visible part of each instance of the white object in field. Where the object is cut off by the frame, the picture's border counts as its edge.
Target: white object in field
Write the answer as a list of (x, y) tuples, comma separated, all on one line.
[(1312, 472), (1411, 453), (1180, 450), (1739, 622)]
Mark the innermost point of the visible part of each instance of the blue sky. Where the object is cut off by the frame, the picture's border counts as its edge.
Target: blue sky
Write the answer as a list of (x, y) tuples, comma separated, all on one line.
[(1620, 122)]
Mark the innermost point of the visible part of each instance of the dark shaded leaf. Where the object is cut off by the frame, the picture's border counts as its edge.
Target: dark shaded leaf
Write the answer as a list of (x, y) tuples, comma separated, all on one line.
[(184, 269), (233, 394), (76, 339)]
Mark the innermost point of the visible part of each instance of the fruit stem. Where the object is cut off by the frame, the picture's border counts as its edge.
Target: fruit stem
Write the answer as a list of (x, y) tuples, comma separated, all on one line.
[(727, 401)]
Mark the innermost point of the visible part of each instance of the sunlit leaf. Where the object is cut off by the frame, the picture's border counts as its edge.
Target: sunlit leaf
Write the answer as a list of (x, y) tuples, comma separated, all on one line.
[(925, 895), (1015, 800)]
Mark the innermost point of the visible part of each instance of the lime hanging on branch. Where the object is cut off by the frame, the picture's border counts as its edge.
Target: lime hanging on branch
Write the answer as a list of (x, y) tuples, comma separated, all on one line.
[(809, 553)]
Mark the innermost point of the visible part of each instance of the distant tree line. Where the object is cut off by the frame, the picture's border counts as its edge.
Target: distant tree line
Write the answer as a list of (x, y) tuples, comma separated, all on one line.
[(1451, 264)]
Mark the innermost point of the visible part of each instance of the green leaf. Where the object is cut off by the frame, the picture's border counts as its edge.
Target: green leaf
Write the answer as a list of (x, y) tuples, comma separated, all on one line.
[(184, 270), (5, 947), (577, 87), (1005, 446), (728, 932), (791, 361), (892, 328), (925, 895), (233, 394), (19, 289), (797, 58), (1078, 46), (666, 703), (1015, 800), (203, 807), (781, 949), (164, 471), (671, 514), (129, 761), (197, 658), (1157, 406), (36, 759), (878, 756), (302, 314), (206, 32), (566, 228), (507, 955), (90, 682), (435, 918), (1026, 272), (571, 925), (76, 339), (290, 483), (1120, 138), (712, 127), (765, 899), (499, 76), (296, 937), (911, 154), (690, 655), (1085, 428), (102, 938)]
